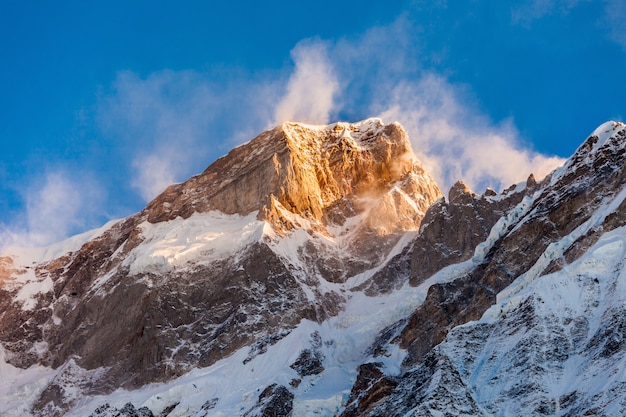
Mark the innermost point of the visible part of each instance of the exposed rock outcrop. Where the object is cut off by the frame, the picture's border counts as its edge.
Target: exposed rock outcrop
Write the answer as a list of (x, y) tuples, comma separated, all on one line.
[(128, 410), (450, 231), (274, 401), (310, 361), (371, 386), (307, 170)]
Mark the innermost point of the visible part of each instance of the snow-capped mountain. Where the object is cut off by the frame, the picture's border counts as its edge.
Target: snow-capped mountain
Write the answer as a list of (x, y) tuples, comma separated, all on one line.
[(317, 270)]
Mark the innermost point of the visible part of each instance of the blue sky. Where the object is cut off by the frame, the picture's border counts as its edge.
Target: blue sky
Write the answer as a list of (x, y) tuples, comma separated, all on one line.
[(102, 104)]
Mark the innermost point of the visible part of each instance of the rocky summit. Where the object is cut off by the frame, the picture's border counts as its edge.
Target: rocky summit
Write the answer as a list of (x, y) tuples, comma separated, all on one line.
[(319, 270)]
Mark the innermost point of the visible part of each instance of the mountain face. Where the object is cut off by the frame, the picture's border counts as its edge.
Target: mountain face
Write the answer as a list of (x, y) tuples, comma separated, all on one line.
[(318, 270), (537, 321), (236, 256)]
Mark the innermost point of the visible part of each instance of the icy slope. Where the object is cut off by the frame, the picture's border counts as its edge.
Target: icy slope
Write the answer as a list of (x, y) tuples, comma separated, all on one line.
[(559, 340)]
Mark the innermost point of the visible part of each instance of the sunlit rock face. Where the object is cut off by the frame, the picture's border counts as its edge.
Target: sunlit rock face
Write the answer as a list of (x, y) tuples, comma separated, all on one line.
[(323, 174)]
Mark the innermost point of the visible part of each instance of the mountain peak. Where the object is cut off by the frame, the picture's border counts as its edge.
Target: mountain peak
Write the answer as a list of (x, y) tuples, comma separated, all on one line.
[(605, 131), (458, 189), (316, 172), (242, 252)]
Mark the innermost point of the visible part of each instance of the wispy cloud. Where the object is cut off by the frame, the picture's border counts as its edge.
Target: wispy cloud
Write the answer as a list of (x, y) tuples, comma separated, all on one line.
[(167, 125), (168, 119), (379, 73), (169, 122), (155, 172), (57, 205), (160, 120), (615, 19), (525, 12), (454, 141), (311, 87)]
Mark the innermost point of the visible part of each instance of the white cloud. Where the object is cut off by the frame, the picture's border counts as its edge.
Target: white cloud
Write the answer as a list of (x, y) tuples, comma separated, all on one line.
[(379, 73), (615, 19), (160, 120), (166, 125), (58, 205), (170, 124), (528, 11), (311, 88), (454, 141), (154, 173)]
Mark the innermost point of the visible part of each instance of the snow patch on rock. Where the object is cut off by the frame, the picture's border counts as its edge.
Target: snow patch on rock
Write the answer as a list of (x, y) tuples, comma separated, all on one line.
[(202, 238)]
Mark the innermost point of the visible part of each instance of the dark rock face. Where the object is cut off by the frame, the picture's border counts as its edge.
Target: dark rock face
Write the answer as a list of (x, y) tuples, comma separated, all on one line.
[(310, 360), (274, 401), (135, 331), (370, 387), (446, 306), (128, 410), (450, 231), (308, 363)]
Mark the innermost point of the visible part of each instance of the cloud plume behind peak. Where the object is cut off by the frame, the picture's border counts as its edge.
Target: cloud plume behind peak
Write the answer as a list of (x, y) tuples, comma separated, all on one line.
[(58, 205), (311, 88), (454, 141)]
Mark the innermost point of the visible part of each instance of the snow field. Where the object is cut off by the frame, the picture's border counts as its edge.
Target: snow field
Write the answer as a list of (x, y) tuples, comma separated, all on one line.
[(20, 387), (572, 306), (206, 237)]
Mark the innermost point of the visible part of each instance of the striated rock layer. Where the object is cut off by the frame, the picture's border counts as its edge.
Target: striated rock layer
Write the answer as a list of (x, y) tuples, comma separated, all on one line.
[(317, 172)]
